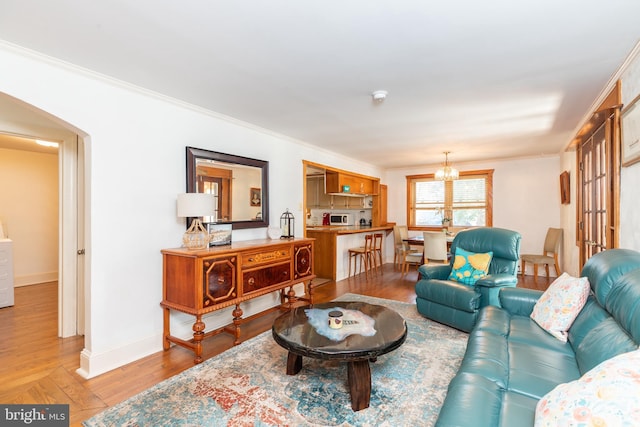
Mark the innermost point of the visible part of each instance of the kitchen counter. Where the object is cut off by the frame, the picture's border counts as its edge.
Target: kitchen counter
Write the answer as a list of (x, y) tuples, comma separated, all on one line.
[(332, 245), (349, 229)]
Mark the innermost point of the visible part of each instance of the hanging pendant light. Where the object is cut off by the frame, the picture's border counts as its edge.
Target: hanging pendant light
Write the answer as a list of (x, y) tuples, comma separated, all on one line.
[(447, 173)]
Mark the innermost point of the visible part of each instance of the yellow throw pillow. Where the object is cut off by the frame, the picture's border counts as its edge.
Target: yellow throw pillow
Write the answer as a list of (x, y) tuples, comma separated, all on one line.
[(468, 267)]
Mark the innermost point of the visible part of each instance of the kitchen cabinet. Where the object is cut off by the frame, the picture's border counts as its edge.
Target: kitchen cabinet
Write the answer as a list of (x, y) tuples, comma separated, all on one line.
[(198, 282), (379, 212), (316, 196), (358, 184), (348, 202)]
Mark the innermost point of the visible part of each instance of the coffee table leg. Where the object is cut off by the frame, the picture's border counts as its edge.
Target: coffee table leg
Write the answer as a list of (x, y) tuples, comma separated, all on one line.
[(294, 363), (359, 374)]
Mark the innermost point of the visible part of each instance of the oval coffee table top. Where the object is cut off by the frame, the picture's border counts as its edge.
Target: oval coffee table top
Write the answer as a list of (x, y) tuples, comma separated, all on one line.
[(293, 331)]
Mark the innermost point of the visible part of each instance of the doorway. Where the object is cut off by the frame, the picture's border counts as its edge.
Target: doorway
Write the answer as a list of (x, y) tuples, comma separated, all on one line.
[(25, 121)]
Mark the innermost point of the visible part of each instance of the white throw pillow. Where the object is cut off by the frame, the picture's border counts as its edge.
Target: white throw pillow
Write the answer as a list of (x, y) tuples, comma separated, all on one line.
[(560, 304), (607, 395)]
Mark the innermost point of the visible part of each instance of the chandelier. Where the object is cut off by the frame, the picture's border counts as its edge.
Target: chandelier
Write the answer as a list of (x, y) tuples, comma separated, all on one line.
[(447, 173)]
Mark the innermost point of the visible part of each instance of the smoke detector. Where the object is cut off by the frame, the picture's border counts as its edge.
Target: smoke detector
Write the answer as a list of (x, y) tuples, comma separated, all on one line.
[(379, 96)]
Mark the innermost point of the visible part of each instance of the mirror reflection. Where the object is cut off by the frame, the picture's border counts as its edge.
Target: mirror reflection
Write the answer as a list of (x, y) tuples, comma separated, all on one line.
[(240, 185)]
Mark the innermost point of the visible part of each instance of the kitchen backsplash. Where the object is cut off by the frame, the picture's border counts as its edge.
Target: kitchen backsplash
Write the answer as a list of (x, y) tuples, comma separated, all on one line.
[(316, 215)]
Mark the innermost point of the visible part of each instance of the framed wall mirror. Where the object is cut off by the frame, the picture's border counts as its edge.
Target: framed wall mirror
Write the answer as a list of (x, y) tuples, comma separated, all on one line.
[(240, 184)]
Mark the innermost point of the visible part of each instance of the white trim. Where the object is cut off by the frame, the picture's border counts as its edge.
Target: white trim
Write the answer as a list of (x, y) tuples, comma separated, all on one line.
[(35, 279), (92, 365), (67, 248), (605, 92)]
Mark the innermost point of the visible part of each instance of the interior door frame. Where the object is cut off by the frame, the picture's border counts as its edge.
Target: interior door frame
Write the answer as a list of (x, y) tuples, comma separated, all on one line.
[(71, 263), (73, 218)]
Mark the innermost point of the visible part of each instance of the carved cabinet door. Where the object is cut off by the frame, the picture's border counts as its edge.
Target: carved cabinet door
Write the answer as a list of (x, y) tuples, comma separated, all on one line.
[(303, 262), (219, 280)]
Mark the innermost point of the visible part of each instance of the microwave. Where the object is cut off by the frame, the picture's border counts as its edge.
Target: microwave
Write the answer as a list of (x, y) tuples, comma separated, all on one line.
[(341, 219)]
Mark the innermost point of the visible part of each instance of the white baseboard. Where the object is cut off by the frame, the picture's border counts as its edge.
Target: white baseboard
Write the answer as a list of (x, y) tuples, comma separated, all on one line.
[(35, 279), (92, 364)]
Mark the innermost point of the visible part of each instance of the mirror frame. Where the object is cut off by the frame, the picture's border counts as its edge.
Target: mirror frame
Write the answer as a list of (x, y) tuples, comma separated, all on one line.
[(193, 154)]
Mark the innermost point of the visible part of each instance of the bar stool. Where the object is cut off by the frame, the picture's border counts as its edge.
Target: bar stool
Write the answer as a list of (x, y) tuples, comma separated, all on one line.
[(365, 254), (377, 251)]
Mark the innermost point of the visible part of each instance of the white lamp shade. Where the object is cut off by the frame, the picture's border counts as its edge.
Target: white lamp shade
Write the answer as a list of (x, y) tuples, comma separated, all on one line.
[(195, 204)]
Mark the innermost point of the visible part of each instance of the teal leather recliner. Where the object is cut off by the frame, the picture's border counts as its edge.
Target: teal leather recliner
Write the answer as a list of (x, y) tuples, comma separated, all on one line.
[(455, 304)]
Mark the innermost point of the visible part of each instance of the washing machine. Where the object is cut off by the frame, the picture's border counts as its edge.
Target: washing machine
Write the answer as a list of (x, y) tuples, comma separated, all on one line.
[(6, 273)]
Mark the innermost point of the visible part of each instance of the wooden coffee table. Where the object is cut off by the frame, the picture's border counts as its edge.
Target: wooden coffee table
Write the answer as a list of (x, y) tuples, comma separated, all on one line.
[(293, 331)]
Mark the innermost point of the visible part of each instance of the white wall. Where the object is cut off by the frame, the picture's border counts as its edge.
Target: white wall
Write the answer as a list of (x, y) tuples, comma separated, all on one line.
[(136, 166), (29, 212), (630, 176), (570, 250), (526, 196), (242, 208)]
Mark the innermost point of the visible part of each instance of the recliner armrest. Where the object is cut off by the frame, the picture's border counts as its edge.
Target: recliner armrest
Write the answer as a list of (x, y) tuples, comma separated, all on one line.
[(519, 301), (440, 272), (449, 294), (497, 280)]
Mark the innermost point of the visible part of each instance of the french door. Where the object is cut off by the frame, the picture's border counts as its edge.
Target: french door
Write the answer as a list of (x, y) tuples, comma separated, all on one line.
[(598, 168)]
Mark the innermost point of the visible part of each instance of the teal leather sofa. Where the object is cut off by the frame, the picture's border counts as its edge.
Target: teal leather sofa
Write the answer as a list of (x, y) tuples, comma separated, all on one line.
[(510, 362), (455, 304)]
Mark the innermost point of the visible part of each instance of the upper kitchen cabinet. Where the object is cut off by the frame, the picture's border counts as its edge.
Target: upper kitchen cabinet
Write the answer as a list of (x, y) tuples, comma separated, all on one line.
[(316, 196), (379, 214), (344, 183)]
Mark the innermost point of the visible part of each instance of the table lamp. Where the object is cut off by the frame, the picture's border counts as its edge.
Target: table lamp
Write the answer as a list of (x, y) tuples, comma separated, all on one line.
[(195, 205)]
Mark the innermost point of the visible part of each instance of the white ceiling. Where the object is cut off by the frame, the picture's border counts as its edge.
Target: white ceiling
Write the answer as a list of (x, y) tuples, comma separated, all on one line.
[(491, 79), (13, 142)]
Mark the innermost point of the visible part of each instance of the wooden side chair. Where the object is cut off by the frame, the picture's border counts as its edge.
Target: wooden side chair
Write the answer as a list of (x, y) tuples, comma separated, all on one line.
[(364, 253), (549, 254)]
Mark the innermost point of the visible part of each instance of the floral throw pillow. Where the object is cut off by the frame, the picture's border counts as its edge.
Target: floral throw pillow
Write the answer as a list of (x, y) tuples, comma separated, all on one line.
[(607, 395), (468, 267), (560, 304)]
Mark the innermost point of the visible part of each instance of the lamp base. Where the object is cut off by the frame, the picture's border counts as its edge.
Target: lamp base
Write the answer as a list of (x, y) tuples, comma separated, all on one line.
[(196, 237)]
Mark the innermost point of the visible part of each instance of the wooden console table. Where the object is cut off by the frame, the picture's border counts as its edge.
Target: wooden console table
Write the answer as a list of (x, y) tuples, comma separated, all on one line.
[(201, 281)]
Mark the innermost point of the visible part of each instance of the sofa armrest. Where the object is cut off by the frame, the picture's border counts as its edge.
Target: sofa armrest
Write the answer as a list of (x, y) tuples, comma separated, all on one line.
[(519, 301), (497, 280), (440, 272)]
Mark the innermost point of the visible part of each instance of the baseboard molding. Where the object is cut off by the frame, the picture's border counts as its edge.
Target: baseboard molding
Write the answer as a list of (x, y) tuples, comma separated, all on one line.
[(35, 279), (93, 364)]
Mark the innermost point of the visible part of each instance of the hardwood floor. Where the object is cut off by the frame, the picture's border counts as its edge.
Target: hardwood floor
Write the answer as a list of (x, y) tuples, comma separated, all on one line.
[(38, 367)]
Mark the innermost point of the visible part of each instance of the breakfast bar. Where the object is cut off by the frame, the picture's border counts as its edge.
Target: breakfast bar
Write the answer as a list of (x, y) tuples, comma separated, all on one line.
[(332, 245)]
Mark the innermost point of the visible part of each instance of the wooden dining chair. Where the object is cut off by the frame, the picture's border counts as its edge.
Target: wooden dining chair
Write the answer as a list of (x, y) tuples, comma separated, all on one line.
[(435, 246), (549, 255), (400, 233), (410, 257)]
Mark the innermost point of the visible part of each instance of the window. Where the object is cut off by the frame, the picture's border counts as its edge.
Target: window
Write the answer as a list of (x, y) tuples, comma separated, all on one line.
[(465, 202)]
